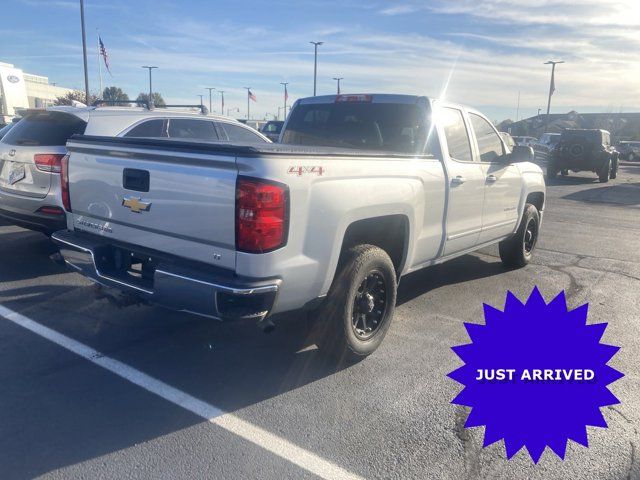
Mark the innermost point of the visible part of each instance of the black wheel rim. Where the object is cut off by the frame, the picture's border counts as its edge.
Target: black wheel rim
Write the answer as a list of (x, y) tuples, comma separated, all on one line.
[(369, 306), (530, 235)]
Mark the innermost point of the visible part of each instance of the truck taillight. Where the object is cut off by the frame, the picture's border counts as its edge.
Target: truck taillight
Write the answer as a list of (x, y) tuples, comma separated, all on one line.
[(261, 215), (354, 98), (64, 183), (48, 162)]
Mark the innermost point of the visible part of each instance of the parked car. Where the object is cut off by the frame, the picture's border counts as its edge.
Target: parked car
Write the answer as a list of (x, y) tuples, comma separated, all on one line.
[(31, 152), (361, 191), (629, 150), (526, 141), (30, 167), (584, 149), (272, 129), (547, 143), (8, 126)]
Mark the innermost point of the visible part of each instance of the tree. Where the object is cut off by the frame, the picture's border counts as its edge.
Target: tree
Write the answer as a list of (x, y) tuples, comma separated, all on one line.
[(74, 96), (114, 95), (158, 101)]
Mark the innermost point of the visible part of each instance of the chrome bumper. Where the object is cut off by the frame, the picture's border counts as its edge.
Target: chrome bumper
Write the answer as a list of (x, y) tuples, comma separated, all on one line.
[(203, 291)]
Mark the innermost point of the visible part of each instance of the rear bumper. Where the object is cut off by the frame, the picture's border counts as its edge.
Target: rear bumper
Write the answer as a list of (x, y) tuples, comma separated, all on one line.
[(40, 222), (178, 285), (579, 163)]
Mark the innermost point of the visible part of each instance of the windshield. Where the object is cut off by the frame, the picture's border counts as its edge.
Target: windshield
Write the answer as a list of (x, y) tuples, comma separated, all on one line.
[(45, 129), (593, 136), (390, 127)]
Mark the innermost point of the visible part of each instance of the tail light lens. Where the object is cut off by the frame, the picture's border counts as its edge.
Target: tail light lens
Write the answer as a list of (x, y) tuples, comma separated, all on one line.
[(48, 162), (64, 182), (261, 215)]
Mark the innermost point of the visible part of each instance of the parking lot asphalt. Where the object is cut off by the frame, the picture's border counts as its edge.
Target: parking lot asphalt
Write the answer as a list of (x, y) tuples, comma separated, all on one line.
[(63, 415)]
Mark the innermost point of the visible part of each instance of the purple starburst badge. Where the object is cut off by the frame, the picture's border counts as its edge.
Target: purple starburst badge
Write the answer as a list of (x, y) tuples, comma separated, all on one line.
[(535, 375)]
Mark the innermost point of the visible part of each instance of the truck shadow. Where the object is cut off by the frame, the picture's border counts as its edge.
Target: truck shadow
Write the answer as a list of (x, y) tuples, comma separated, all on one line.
[(621, 194), (230, 365), (461, 269)]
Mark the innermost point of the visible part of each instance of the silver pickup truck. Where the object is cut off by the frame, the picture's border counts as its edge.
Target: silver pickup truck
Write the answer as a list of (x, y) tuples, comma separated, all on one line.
[(362, 190)]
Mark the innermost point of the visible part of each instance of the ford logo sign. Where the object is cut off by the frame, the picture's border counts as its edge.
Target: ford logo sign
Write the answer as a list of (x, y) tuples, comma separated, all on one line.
[(13, 79)]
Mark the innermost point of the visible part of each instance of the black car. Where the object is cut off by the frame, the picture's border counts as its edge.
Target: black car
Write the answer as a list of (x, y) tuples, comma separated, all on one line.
[(584, 150), (272, 129), (629, 150)]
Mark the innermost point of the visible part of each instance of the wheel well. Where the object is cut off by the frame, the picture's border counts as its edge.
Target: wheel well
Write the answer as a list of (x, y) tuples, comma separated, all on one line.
[(390, 233), (536, 199)]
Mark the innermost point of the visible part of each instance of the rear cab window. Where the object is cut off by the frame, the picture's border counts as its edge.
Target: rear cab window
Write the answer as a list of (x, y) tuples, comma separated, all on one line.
[(390, 127), (45, 129), (455, 131)]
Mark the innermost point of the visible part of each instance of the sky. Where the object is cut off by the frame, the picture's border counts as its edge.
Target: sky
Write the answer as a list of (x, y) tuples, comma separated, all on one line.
[(484, 54)]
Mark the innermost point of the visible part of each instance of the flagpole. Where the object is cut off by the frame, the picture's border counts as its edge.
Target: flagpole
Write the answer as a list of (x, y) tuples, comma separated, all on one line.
[(552, 88), (285, 97), (99, 64), (248, 90)]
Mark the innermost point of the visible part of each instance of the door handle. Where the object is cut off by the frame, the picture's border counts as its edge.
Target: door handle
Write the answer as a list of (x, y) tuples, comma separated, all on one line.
[(458, 180), (491, 178)]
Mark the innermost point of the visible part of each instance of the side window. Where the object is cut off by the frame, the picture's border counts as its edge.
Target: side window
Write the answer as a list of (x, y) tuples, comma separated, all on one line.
[(195, 129), (489, 143), (151, 128), (240, 134), (456, 134)]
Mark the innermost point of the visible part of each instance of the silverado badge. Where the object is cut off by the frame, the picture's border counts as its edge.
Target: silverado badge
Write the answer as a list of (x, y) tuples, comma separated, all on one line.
[(136, 204)]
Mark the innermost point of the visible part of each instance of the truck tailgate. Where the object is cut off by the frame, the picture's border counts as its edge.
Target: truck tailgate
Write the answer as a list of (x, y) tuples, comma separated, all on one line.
[(157, 194)]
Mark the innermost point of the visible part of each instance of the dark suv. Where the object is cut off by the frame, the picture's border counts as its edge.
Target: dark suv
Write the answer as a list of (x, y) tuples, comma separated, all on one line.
[(582, 149)]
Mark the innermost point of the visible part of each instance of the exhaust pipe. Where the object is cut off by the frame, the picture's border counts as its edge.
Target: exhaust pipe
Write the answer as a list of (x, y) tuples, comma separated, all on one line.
[(266, 325), (57, 258)]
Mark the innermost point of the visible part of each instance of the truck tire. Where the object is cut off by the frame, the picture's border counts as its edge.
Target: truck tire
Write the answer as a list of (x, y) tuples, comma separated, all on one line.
[(516, 251), (357, 313), (614, 168), (605, 172)]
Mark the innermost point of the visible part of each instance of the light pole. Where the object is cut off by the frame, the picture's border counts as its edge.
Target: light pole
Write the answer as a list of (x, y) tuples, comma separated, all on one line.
[(209, 88), (286, 97), (337, 79), (221, 102), (84, 54), (315, 64), (552, 87), (201, 104), (150, 85), (248, 89)]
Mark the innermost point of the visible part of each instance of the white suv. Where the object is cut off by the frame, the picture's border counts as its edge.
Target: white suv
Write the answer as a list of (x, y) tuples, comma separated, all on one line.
[(31, 152)]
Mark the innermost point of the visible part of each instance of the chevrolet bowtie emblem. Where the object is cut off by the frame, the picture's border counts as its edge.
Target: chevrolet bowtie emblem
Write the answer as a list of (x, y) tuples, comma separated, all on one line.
[(136, 204)]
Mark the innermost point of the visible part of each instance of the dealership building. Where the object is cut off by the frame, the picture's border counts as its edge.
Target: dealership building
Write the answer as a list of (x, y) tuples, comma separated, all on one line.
[(19, 90)]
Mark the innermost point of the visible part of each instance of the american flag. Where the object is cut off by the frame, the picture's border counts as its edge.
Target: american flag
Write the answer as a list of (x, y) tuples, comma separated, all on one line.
[(104, 54), (286, 94), (252, 96)]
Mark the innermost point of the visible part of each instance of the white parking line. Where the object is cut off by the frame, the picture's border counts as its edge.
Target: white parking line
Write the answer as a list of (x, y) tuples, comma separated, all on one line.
[(278, 446)]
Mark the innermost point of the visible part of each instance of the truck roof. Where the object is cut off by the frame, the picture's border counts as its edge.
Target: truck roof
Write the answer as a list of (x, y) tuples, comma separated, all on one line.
[(368, 97)]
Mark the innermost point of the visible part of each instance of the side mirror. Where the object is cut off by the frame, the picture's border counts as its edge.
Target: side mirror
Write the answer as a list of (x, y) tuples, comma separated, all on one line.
[(521, 153)]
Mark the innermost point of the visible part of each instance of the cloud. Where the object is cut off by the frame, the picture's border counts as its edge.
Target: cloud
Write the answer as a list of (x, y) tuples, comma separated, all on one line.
[(494, 49)]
